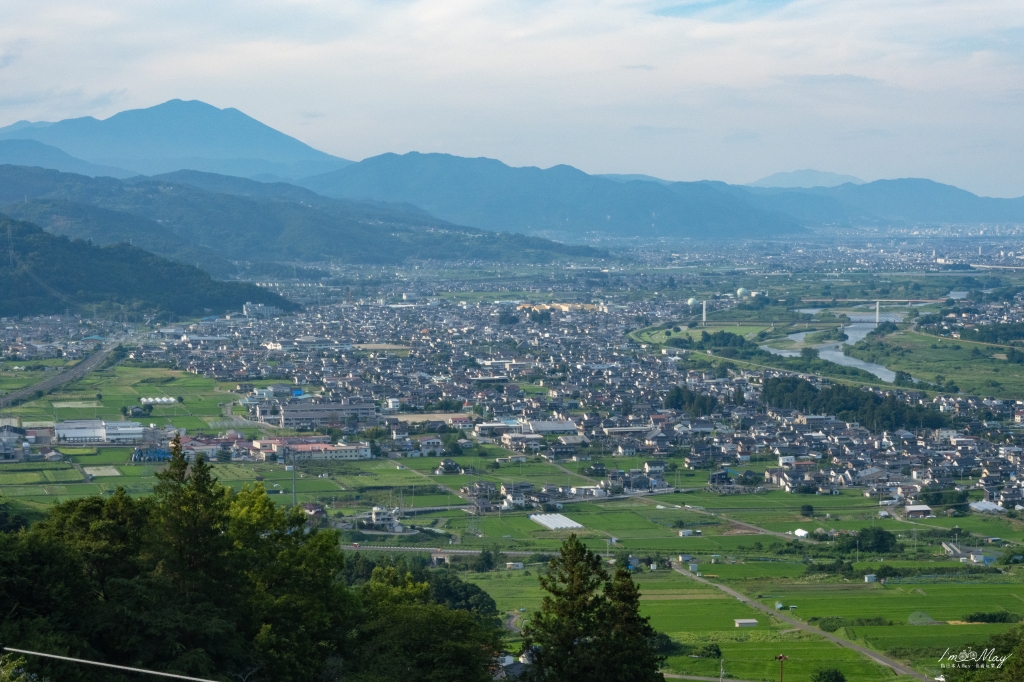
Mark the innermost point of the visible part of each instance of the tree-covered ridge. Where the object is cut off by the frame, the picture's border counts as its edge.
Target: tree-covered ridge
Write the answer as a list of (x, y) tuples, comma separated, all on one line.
[(202, 581), (48, 274), (229, 221), (849, 404)]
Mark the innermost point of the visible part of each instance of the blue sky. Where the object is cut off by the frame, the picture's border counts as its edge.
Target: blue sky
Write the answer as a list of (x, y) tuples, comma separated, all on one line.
[(720, 89)]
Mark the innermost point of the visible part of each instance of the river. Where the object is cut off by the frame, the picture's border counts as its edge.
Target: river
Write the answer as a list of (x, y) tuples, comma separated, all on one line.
[(860, 326)]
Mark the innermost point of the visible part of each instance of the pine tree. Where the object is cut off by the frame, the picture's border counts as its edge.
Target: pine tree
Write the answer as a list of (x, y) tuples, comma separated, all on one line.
[(192, 513), (629, 637), (589, 626)]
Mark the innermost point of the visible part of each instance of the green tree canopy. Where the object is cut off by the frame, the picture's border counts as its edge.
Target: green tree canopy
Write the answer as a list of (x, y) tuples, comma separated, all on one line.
[(589, 626), (203, 581)]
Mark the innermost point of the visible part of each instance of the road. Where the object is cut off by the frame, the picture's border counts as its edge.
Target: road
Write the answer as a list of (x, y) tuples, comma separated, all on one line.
[(673, 676), (762, 531), (512, 623), (878, 658), (432, 550), (65, 377)]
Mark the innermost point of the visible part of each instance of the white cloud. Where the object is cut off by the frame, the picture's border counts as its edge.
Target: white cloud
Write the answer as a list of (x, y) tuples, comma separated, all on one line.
[(721, 89)]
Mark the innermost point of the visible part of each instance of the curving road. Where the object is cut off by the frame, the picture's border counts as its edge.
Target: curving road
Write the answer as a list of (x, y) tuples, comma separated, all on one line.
[(73, 374), (878, 658)]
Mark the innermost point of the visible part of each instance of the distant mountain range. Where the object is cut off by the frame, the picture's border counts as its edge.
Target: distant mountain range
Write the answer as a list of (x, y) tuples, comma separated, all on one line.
[(35, 153), (52, 274), (806, 178), (904, 202), (569, 204), (176, 135), (386, 207), (220, 223), (562, 201)]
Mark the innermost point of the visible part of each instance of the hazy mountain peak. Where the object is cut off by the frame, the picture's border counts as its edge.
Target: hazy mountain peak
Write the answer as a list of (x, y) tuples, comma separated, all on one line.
[(19, 125), (180, 134), (806, 178), (632, 177)]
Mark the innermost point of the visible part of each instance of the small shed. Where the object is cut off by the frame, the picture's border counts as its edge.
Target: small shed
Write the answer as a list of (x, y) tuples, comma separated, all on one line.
[(870, 578), (918, 511), (745, 622)]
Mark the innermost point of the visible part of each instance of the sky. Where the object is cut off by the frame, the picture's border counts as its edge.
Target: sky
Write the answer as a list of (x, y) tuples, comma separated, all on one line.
[(729, 90)]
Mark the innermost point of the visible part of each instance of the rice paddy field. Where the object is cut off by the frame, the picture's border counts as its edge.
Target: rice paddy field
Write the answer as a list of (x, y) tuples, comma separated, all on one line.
[(727, 552), (103, 393), (689, 612), (694, 614)]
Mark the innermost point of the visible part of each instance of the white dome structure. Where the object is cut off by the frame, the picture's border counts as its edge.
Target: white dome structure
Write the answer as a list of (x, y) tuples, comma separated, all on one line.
[(691, 301), (741, 292)]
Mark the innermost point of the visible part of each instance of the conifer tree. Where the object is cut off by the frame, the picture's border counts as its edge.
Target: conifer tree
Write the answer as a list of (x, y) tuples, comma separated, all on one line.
[(589, 626)]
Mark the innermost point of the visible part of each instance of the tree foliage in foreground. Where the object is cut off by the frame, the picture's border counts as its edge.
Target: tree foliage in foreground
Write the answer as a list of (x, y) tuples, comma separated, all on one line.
[(202, 581), (589, 626)]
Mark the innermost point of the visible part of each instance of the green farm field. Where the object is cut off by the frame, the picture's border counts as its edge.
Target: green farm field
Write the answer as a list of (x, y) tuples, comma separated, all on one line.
[(693, 613), (660, 336), (974, 367), (919, 645), (123, 386)]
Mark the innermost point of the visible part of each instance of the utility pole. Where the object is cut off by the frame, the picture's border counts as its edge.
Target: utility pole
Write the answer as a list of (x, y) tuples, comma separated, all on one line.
[(781, 659), (294, 498), (878, 312), (704, 313)]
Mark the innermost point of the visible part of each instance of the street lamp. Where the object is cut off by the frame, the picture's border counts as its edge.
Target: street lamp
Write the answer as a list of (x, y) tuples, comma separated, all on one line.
[(781, 659)]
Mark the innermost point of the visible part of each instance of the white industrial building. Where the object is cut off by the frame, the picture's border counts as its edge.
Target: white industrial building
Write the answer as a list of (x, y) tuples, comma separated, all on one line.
[(99, 431)]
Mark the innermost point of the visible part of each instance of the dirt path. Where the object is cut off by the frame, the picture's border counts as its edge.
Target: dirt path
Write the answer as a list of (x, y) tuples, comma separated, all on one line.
[(878, 658), (742, 524), (434, 480), (512, 623)]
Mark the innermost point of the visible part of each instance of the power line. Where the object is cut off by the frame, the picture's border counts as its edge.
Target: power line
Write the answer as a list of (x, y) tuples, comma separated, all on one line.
[(106, 665)]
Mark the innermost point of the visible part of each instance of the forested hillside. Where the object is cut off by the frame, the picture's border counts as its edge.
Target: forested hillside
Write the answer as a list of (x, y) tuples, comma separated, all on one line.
[(45, 274), (239, 220)]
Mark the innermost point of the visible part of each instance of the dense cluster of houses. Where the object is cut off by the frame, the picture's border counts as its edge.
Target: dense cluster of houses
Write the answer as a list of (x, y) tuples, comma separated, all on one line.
[(560, 382), (53, 336)]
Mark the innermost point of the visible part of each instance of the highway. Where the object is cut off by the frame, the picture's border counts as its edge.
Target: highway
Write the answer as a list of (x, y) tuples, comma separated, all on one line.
[(73, 374)]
